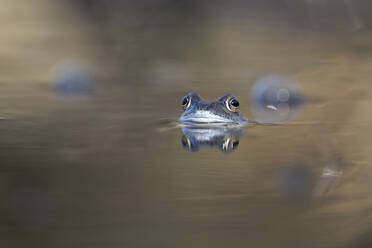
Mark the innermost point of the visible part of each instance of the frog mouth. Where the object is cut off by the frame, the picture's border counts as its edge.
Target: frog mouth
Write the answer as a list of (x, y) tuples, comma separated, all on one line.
[(205, 117)]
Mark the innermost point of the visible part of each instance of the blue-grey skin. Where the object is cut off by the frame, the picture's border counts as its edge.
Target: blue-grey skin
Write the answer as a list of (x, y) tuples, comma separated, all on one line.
[(220, 112)]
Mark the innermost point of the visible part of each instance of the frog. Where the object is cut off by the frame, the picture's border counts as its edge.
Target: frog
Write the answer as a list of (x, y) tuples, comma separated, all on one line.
[(224, 111)]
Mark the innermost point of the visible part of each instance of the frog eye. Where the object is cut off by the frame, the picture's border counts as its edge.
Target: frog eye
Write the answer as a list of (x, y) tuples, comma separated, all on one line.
[(232, 104), (186, 102)]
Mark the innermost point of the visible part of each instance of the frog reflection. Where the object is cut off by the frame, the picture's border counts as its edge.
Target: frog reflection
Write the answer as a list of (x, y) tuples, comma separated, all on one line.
[(226, 139)]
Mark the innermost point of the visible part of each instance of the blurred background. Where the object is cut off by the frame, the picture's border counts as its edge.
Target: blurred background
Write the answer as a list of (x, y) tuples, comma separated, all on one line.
[(88, 89)]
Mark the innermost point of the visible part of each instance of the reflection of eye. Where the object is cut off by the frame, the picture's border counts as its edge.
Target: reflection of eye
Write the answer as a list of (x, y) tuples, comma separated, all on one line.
[(186, 101), (235, 144), (230, 144), (233, 105), (186, 143)]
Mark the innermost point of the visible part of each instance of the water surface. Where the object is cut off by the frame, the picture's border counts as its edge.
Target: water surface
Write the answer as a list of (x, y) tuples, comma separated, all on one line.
[(90, 155)]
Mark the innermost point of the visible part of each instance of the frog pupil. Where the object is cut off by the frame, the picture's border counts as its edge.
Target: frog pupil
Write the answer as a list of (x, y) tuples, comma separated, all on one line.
[(185, 101), (234, 103)]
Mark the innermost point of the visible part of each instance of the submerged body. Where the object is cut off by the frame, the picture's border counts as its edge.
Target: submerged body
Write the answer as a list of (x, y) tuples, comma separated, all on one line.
[(224, 111)]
